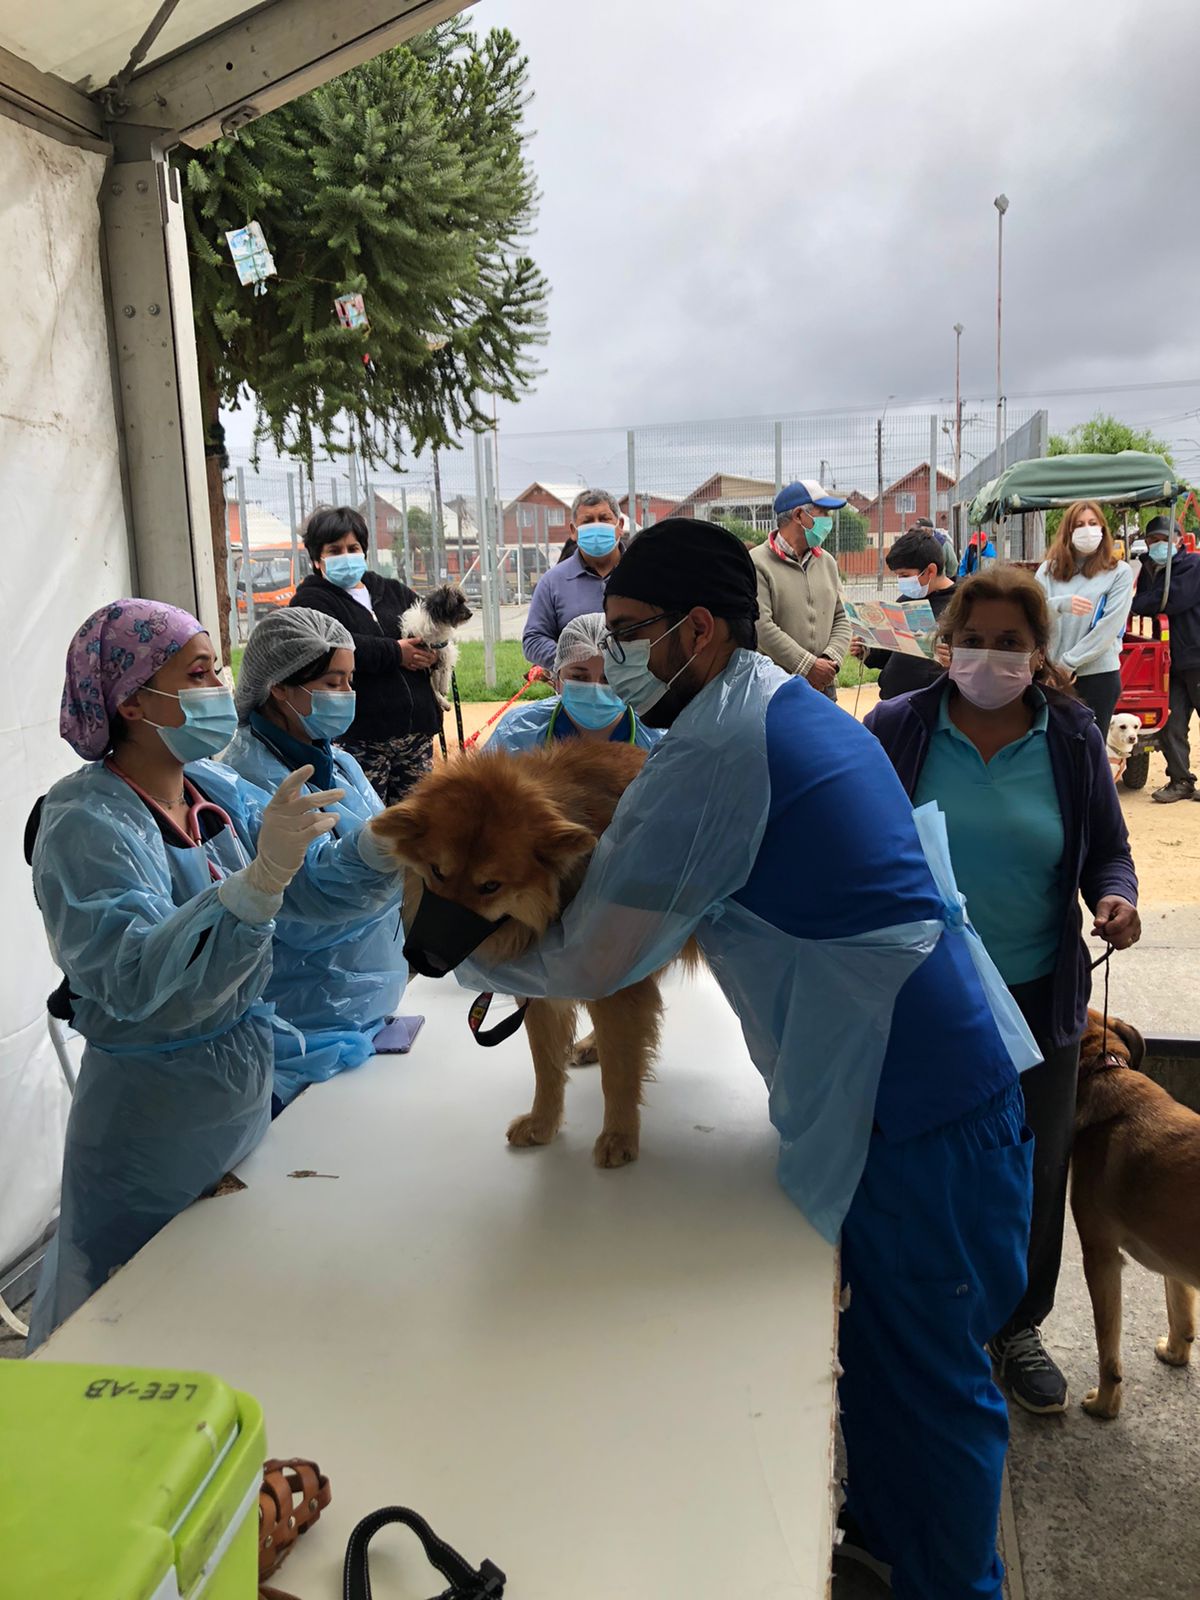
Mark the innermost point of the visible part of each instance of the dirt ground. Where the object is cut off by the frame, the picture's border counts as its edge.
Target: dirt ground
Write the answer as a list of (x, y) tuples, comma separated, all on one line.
[(1166, 839)]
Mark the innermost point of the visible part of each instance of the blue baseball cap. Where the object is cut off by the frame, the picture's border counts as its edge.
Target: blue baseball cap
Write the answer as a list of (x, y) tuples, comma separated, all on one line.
[(805, 492)]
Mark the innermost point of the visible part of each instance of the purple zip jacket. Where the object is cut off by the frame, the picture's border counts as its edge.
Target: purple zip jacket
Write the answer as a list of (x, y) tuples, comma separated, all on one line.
[(1096, 858)]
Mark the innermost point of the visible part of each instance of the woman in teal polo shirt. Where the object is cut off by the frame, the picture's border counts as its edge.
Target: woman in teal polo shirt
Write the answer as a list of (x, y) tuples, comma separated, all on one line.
[(1018, 767), (584, 707)]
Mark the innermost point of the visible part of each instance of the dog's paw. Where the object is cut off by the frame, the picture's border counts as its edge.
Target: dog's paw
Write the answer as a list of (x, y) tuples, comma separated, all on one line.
[(529, 1130), (1174, 1355), (584, 1053), (615, 1149), (1105, 1409)]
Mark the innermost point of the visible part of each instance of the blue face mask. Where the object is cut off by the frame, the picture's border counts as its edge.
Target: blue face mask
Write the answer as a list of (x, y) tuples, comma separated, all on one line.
[(912, 588), (209, 722), (345, 571), (821, 529), (332, 713), (1160, 551), (597, 538), (632, 678), (592, 705)]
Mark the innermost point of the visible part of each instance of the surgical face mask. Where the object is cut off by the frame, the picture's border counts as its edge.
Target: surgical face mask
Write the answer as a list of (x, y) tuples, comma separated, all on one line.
[(912, 588), (332, 713), (1159, 551), (821, 529), (592, 705), (1087, 539), (345, 571), (990, 679), (632, 678), (209, 722), (596, 538)]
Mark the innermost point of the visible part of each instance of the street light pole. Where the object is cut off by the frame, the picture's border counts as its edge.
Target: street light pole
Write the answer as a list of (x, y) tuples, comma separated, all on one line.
[(958, 333), (1001, 205)]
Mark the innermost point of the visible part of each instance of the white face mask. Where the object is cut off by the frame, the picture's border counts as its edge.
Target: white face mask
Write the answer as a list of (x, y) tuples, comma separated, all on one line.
[(912, 588), (1087, 539), (632, 678)]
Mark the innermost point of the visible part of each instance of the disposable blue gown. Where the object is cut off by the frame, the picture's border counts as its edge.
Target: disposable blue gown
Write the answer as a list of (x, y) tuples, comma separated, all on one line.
[(175, 1084), (336, 982), (816, 1013)]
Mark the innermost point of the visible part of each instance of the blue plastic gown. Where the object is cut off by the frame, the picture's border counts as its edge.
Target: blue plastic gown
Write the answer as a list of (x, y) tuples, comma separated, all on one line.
[(526, 727), (175, 1084), (336, 981), (816, 1014)]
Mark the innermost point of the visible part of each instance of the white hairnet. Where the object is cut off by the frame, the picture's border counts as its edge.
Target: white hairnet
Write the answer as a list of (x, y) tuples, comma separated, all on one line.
[(281, 644), (579, 640)]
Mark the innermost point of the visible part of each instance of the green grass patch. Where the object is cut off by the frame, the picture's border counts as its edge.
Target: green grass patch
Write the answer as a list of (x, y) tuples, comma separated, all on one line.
[(235, 660), (511, 667), (851, 673)]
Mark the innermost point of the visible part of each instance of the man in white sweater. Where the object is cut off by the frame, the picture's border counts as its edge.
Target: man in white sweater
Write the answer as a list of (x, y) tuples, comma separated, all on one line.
[(802, 624)]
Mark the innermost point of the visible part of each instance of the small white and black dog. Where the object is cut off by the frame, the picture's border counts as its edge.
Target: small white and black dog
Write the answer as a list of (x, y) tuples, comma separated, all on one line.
[(434, 621)]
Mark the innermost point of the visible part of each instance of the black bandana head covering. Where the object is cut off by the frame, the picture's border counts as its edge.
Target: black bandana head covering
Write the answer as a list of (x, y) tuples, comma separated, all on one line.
[(681, 563)]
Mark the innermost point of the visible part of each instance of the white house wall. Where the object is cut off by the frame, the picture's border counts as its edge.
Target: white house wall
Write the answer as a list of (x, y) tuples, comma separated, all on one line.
[(65, 553)]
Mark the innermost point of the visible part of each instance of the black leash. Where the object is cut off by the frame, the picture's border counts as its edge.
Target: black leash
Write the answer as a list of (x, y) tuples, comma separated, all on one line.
[(457, 707), (465, 1582), (1104, 959), (499, 1031)]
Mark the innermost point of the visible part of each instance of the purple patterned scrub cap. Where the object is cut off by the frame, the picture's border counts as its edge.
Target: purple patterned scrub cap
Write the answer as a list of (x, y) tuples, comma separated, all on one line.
[(116, 653)]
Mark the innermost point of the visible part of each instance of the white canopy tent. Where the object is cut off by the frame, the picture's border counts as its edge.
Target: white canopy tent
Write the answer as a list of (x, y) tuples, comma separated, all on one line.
[(101, 445)]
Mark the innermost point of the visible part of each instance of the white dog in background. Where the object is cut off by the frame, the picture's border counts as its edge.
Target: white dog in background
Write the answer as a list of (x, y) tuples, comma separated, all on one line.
[(1123, 732), (434, 621)]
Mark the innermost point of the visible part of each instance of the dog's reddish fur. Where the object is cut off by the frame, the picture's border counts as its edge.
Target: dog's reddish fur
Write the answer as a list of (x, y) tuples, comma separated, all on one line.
[(528, 822), (1135, 1186)]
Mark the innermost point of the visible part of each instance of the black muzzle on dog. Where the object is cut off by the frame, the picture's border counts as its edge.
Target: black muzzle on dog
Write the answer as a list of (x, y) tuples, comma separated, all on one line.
[(444, 933)]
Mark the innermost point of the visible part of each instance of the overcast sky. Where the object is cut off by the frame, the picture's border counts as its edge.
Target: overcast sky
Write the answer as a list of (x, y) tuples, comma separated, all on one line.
[(788, 204)]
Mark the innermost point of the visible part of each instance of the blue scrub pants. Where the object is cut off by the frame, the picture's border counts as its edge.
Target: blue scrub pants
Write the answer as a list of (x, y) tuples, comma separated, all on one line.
[(933, 1250)]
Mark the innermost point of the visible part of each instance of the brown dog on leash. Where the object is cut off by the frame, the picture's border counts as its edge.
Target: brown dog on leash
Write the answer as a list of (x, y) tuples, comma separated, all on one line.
[(496, 846), (1135, 1187)]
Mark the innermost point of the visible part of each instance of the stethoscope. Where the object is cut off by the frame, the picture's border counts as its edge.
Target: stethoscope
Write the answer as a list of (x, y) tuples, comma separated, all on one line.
[(192, 831)]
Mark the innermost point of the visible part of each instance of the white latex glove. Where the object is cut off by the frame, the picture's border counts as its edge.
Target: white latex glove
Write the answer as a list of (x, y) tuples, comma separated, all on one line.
[(290, 823)]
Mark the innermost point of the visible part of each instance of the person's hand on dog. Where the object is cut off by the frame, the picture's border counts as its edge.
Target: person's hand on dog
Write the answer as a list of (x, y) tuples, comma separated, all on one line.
[(414, 655), (822, 672), (1117, 922)]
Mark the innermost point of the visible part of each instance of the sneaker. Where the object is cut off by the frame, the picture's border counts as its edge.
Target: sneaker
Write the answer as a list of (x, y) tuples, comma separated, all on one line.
[(852, 1547), (1171, 792), (1029, 1371)]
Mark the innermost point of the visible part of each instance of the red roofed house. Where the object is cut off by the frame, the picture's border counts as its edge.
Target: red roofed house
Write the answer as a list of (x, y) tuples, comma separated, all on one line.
[(908, 498)]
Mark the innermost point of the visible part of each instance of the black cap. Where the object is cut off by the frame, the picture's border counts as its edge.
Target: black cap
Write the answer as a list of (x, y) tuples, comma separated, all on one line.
[(683, 562), (1164, 525)]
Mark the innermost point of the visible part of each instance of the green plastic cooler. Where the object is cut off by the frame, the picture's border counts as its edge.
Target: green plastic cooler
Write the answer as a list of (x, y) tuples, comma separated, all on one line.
[(118, 1483)]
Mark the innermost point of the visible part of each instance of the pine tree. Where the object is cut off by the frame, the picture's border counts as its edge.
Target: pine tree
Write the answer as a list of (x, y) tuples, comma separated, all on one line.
[(405, 180)]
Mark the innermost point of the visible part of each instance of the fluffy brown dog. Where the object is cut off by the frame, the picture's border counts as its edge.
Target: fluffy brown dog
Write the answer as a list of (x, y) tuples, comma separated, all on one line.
[(1135, 1186), (508, 836)]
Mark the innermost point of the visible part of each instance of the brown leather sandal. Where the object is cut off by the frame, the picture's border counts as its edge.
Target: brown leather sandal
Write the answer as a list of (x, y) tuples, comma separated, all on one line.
[(293, 1495)]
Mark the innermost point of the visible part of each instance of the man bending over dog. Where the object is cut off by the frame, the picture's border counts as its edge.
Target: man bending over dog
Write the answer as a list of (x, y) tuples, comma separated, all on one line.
[(907, 1141)]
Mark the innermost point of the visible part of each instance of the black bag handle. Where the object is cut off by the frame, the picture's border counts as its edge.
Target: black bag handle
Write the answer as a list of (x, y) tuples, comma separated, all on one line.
[(465, 1583)]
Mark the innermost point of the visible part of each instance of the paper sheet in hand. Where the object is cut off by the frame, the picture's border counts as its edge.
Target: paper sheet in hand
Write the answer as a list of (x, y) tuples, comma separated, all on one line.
[(910, 629)]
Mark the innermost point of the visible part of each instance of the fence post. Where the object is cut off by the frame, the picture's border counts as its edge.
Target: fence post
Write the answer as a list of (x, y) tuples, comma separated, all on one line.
[(408, 572), (247, 570), (353, 479), (372, 530), (441, 566), (933, 469), (778, 456), (494, 541), (231, 581), (489, 644), (631, 453), (292, 524), (879, 493)]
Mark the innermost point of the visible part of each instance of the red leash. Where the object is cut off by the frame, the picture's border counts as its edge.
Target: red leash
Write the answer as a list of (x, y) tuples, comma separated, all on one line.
[(534, 675)]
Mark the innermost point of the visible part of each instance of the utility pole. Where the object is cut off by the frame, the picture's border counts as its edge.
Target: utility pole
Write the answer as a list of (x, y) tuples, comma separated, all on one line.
[(439, 532), (958, 333), (879, 493), (1001, 205)]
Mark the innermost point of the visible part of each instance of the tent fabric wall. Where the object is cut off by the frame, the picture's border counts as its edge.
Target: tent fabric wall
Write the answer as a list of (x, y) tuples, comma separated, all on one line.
[(66, 551)]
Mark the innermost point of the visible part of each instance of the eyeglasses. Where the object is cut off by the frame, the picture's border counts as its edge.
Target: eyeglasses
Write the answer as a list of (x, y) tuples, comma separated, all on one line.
[(612, 641)]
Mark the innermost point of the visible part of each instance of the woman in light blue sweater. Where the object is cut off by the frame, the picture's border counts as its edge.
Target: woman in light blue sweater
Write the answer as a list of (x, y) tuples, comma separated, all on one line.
[(1090, 592)]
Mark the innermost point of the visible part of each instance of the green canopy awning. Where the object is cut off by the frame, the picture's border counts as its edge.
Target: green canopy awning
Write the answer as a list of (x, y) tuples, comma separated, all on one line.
[(1129, 478)]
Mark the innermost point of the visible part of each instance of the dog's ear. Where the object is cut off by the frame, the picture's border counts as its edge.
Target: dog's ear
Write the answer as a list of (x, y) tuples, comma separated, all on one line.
[(560, 842), (401, 828), (1131, 1039)]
